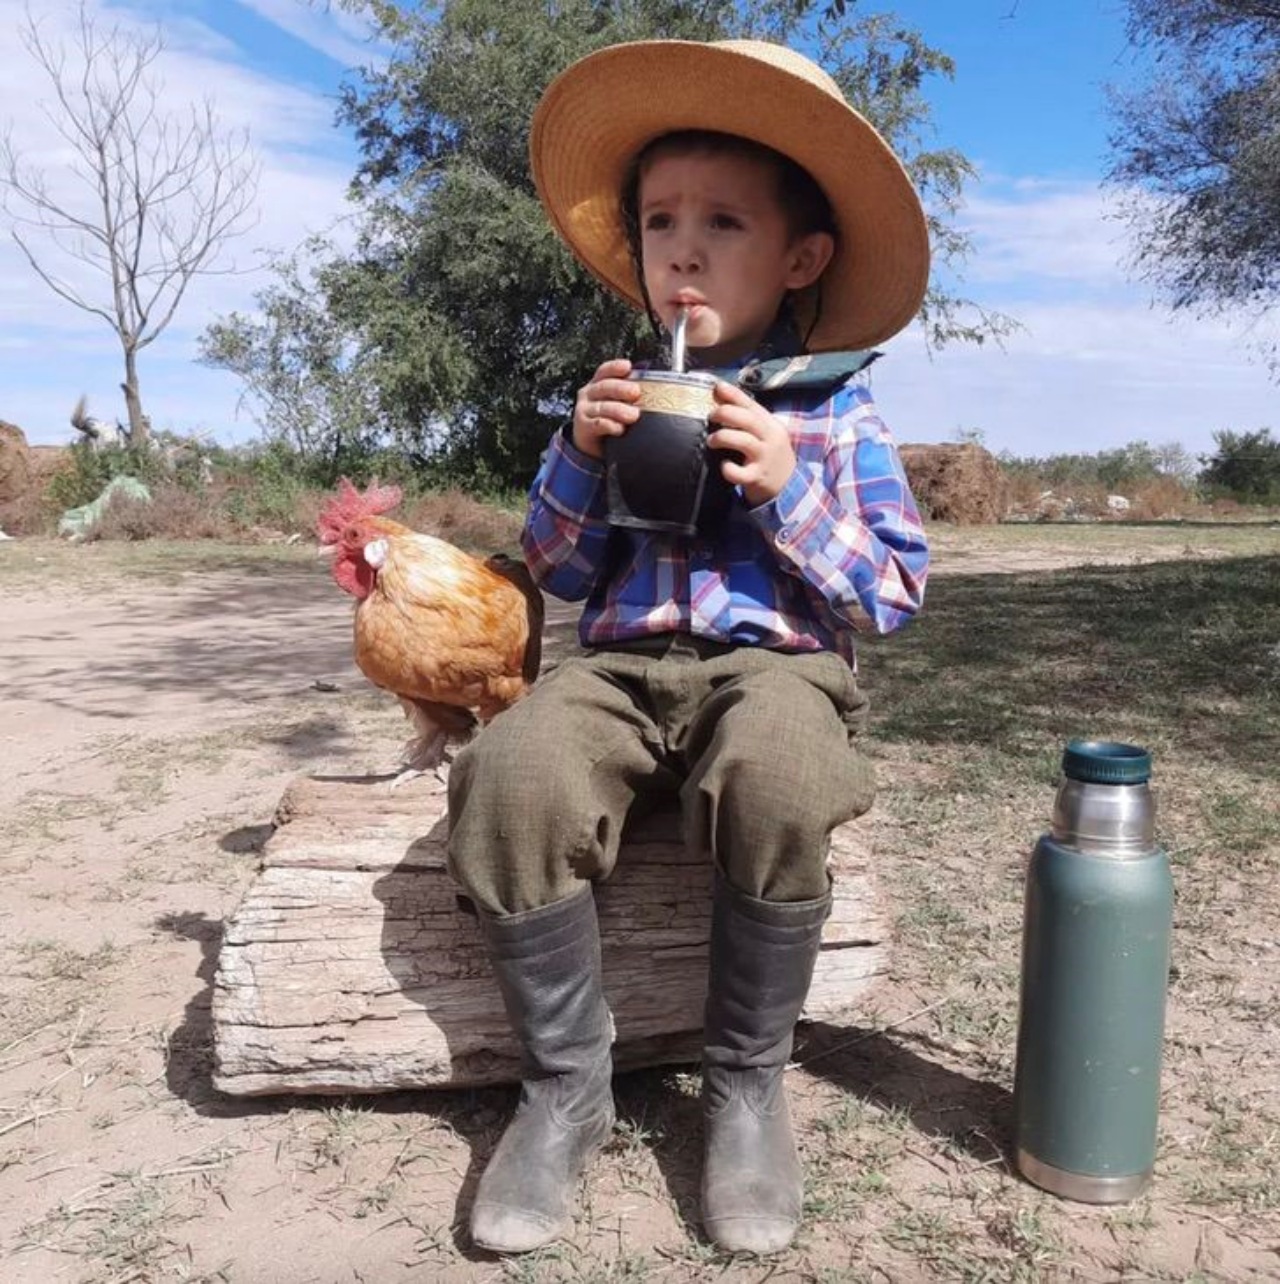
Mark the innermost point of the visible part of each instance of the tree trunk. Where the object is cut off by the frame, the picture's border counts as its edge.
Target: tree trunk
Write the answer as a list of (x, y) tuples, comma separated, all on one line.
[(139, 424), (352, 966)]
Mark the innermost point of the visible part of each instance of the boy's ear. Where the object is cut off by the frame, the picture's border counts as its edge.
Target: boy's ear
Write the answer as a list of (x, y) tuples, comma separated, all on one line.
[(810, 255)]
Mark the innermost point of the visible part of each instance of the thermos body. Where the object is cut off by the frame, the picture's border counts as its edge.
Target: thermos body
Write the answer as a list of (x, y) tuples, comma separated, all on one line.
[(1095, 965)]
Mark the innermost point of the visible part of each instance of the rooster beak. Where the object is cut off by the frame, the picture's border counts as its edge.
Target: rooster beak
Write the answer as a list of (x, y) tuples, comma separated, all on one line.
[(327, 550)]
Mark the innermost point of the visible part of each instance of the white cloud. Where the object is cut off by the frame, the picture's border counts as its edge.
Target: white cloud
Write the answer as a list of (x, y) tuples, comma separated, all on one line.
[(1097, 364), (1064, 232), (1082, 378), (337, 33)]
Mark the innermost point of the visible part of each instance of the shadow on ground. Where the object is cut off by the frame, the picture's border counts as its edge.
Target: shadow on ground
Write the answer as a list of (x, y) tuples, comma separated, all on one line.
[(1014, 661)]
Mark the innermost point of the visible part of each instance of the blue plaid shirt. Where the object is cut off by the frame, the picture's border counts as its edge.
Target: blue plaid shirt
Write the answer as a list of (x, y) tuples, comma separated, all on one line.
[(841, 548)]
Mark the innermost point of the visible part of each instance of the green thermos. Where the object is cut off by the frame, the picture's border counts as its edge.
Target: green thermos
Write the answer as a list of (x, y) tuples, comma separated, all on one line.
[(1095, 967)]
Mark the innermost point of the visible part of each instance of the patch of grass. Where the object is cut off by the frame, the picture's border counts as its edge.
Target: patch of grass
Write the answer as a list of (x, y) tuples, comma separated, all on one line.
[(47, 985), (55, 961), (1234, 1163), (1243, 825), (125, 1226), (44, 816), (1173, 541), (1173, 652), (339, 1131)]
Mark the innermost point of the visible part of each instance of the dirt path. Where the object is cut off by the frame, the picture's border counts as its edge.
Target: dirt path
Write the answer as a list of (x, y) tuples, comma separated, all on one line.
[(147, 729)]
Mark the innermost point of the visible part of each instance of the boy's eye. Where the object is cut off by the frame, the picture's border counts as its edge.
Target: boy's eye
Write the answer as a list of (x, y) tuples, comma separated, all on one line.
[(657, 222), (722, 221)]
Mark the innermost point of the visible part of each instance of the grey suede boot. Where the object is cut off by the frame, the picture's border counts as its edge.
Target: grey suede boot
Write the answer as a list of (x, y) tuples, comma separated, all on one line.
[(762, 957), (547, 962)]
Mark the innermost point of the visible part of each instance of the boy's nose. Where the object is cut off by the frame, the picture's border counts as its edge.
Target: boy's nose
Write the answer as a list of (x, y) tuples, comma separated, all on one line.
[(687, 260)]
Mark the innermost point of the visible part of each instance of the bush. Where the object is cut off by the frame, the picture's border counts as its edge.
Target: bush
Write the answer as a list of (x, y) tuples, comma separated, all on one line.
[(85, 473), (1246, 467), (173, 512), (1163, 499), (462, 519)]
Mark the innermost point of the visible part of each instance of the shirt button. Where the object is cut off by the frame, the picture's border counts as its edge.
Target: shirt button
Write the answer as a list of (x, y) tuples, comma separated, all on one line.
[(784, 535)]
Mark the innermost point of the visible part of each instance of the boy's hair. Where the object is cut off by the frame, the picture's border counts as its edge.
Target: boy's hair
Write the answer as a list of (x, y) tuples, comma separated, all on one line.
[(803, 202)]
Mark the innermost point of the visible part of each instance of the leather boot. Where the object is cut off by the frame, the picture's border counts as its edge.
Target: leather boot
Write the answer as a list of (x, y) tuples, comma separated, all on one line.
[(762, 957), (547, 962)]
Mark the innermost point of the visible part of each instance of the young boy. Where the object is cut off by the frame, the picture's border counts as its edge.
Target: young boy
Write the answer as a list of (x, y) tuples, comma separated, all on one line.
[(733, 181)]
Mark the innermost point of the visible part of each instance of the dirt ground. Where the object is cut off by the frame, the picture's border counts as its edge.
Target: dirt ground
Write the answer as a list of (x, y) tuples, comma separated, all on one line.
[(149, 724)]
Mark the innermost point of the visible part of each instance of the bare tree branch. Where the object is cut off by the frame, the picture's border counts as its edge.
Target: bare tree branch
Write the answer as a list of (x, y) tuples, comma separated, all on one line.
[(155, 195)]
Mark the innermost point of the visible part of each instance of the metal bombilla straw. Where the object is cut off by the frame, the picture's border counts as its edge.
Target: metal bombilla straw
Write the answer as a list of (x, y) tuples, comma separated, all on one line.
[(679, 347)]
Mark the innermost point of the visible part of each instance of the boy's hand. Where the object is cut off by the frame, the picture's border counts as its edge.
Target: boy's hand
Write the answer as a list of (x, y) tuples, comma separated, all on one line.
[(745, 426), (604, 407)]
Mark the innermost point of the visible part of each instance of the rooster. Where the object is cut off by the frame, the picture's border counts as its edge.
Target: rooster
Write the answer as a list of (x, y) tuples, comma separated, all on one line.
[(456, 639)]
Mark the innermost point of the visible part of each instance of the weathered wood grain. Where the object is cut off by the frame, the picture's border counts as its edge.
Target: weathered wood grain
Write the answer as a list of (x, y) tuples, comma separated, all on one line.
[(352, 966)]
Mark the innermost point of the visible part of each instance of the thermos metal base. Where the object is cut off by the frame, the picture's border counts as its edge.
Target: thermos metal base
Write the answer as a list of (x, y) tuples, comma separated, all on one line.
[(1081, 1186)]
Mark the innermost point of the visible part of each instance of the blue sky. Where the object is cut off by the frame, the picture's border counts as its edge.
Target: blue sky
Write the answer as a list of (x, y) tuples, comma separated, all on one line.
[(1097, 364)]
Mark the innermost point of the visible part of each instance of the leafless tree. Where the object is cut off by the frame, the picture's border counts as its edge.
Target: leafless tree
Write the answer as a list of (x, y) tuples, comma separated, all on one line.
[(150, 199)]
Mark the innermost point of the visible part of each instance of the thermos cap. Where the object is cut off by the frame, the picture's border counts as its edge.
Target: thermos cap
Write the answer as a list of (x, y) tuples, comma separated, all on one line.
[(1106, 762)]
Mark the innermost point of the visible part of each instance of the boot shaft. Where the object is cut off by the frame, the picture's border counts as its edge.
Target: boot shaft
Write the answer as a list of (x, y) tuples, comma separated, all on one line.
[(762, 959), (547, 965)]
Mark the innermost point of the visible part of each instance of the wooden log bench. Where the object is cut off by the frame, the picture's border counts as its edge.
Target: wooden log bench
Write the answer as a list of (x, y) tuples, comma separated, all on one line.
[(352, 965)]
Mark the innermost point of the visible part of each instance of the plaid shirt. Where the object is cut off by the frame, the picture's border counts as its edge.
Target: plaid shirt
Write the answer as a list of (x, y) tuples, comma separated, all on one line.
[(840, 548)]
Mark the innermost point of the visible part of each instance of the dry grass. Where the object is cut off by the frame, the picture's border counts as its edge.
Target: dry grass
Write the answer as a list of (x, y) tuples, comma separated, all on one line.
[(173, 513)]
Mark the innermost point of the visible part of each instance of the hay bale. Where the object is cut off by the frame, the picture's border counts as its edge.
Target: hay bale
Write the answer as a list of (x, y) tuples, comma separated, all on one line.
[(15, 463), (47, 462), (960, 483)]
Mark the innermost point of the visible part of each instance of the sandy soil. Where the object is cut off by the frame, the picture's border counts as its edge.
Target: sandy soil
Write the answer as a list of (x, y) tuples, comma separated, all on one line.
[(147, 730)]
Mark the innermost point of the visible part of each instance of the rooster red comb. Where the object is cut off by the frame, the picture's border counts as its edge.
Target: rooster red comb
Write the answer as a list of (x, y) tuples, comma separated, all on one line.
[(350, 505)]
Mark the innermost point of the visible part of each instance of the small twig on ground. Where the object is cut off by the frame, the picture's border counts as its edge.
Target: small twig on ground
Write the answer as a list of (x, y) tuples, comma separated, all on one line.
[(34, 1118), (9, 1047), (69, 1050), (870, 1034), (211, 1166)]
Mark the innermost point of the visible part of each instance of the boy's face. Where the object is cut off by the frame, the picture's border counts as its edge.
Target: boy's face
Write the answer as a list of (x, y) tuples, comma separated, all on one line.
[(713, 236)]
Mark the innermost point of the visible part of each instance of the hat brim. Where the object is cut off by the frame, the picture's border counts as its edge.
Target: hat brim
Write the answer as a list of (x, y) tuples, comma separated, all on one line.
[(599, 113)]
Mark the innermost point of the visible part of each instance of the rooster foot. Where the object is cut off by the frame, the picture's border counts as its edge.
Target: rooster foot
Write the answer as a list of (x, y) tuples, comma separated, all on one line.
[(423, 755)]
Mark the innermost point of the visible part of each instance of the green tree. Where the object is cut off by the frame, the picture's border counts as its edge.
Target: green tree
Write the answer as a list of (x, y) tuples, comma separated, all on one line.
[(459, 314), (1198, 145), (1246, 466)]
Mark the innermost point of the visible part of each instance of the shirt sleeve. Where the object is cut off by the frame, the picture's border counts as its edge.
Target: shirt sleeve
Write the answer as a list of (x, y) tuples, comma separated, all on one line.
[(851, 529), (566, 530)]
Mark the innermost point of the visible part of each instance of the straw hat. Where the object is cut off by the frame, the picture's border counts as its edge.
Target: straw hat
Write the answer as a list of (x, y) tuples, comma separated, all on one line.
[(600, 112)]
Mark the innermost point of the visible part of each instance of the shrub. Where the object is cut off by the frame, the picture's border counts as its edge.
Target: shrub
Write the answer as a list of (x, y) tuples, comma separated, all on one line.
[(173, 512), (86, 471), (1246, 467), (464, 520), (1162, 499)]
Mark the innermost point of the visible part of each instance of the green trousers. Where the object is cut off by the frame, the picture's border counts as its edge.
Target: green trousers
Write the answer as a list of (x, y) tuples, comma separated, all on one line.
[(757, 745)]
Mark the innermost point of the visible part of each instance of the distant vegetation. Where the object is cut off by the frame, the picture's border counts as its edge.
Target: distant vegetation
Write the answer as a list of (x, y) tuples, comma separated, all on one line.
[(1158, 481), (272, 491)]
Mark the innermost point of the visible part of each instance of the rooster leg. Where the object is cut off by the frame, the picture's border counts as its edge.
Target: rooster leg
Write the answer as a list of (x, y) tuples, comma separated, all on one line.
[(436, 725), (422, 754), (425, 750)]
